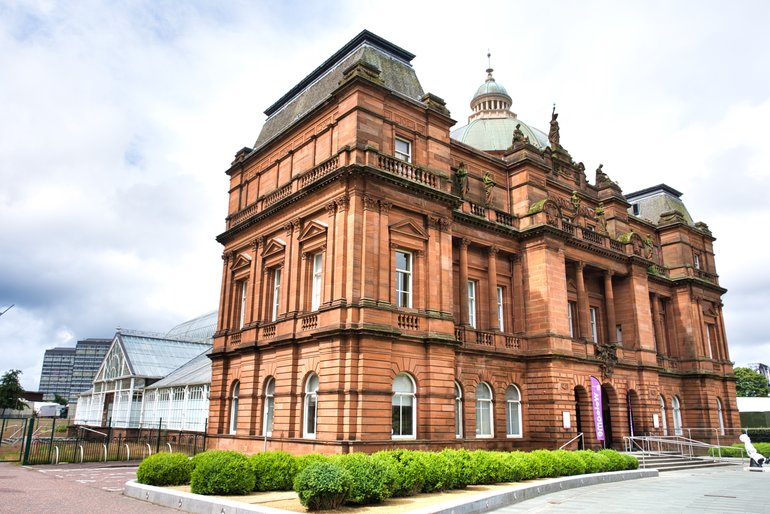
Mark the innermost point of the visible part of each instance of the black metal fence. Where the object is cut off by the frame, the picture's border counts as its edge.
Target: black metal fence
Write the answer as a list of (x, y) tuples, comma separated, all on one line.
[(57, 443)]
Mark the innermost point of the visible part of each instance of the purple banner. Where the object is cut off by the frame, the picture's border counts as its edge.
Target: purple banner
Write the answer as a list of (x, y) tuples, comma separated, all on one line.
[(596, 406)]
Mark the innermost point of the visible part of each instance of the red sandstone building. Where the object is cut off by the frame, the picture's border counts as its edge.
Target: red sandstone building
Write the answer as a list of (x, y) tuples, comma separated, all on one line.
[(389, 281)]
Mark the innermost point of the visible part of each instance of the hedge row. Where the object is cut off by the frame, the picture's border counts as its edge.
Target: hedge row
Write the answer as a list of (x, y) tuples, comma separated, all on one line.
[(735, 450), (326, 482)]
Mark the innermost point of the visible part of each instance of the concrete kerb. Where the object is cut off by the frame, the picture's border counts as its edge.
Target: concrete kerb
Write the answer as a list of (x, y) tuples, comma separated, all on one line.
[(481, 502)]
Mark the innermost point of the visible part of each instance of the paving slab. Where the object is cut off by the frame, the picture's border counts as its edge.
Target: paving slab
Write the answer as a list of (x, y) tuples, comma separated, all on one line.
[(725, 489)]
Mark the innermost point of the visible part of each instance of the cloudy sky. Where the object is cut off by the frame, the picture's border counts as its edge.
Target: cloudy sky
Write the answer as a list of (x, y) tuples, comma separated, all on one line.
[(118, 119)]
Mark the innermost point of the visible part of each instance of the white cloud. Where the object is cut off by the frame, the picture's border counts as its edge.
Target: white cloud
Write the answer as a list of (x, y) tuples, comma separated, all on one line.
[(119, 119)]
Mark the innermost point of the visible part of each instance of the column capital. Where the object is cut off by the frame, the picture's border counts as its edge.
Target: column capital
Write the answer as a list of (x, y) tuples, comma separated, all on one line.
[(331, 208), (493, 250), (385, 207), (370, 203), (609, 273), (580, 266), (465, 242)]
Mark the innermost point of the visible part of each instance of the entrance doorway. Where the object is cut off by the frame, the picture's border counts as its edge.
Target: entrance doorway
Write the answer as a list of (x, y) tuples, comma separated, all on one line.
[(607, 392), (582, 405)]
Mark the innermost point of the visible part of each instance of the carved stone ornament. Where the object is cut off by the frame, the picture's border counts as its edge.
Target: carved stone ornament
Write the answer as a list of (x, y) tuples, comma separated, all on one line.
[(553, 133), (608, 358), (385, 207), (461, 180), (343, 202), (370, 203), (489, 186), (331, 208)]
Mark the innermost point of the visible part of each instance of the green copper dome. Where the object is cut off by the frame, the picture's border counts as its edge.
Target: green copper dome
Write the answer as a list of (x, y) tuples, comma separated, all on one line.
[(491, 126), (492, 134)]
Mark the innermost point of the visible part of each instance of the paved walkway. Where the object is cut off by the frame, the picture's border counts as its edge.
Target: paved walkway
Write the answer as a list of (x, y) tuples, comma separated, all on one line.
[(70, 488), (726, 489)]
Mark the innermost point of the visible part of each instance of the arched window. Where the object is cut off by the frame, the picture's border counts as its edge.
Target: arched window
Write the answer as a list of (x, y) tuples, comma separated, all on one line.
[(675, 406), (484, 426), (721, 419), (663, 421), (311, 405), (512, 411), (458, 410), (234, 407), (269, 406), (404, 409)]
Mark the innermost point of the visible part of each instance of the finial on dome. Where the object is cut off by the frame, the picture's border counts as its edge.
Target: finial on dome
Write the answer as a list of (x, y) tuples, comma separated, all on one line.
[(489, 66)]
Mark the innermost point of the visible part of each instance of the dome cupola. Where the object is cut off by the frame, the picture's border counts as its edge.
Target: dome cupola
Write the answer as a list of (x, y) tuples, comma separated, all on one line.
[(491, 100)]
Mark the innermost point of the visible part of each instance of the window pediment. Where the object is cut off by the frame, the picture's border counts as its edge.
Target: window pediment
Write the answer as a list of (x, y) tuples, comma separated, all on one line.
[(242, 260), (407, 229), (312, 230), (274, 246)]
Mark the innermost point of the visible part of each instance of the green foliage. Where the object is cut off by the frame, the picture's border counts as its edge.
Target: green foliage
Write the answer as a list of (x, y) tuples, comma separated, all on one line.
[(303, 461), (568, 463), (11, 391), (273, 471), (545, 464), (58, 399), (515, 467), (486, 467), (322, 485), (617, 462), (165, 469), (221, 472), (631, 461), (460, 462), (750, 383), (594, 462), (735, 450), (371, 479), (439, 472), (410, 471)]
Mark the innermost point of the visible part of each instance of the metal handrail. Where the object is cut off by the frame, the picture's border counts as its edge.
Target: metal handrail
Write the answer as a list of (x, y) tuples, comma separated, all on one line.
[(579, 436), (666, 445)]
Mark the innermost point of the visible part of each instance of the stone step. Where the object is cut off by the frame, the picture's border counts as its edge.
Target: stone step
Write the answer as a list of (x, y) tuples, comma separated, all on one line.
[(676, 462)]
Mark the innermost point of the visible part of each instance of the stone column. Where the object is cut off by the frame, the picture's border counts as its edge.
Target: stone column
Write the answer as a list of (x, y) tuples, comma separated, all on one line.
[(582, 302), (386, 269), (464, 243), (221, 317), (255, 282), (494, 323), (657, 325), (609, 306), (517, 296), (330, 257)]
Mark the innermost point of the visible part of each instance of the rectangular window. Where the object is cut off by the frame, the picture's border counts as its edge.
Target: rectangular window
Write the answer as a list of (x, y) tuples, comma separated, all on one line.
[(472, 303), (317, 274), (500, 313), (696, 261), (571, 311), (242, 286), (404, 150), (403, 279), (618, 333), (592, 311), (635, 208), (276, 293)]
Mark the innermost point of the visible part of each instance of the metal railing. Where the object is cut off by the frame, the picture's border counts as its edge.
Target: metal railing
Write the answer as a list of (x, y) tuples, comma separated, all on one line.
[(579, 436), (675, 445)]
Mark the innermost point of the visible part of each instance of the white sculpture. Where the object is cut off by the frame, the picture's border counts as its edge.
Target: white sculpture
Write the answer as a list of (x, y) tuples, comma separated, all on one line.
[(757, 460)]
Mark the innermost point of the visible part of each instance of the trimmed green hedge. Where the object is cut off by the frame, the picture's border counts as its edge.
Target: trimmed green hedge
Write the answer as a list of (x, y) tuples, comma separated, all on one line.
[(735, 450), (222, 472), (165, 469), (323, 482), (273, 471), (323, 485)]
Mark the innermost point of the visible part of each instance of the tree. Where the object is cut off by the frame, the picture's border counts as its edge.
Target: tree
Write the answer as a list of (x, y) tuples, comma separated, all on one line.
[(58, 399), (750, 383), (11, 391)]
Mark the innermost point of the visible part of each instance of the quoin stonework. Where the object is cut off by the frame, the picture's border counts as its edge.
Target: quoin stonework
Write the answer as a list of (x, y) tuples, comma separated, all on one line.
[(388, 281)]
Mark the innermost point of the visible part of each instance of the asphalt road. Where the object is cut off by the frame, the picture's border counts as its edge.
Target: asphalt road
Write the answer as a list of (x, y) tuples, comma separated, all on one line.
[(69, 488)]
